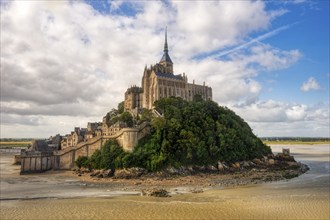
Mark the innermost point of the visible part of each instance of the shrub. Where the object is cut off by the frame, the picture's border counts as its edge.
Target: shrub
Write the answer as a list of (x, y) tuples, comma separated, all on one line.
[(82, 161)]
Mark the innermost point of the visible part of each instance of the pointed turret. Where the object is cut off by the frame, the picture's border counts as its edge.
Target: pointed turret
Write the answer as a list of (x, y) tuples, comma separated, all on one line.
[(166, 60)]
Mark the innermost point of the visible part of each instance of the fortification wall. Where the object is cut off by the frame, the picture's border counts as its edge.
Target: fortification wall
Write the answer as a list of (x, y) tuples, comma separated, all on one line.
[(36, 162), (65, 159), (127, 138)]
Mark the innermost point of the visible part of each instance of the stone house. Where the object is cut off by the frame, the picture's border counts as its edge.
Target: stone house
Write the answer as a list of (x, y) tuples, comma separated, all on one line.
[(73, 138)]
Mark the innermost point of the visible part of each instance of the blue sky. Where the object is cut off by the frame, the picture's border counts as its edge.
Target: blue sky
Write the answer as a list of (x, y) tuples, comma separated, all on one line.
[(266, 60)]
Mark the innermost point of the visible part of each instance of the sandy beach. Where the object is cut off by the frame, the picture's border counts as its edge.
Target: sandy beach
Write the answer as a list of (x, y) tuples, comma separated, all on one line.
[(61, 195)]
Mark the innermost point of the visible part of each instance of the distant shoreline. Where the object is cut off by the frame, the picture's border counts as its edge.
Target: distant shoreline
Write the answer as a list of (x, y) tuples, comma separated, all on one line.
[(292, 142)]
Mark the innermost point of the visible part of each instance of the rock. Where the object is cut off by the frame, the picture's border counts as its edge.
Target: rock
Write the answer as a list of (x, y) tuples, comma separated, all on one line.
[(197, 190), (172, 170), (179, 171), (155, 192), (201, 168), (220, 166), (271, 162), (264, 158), (235, 165), (211, 168), (225, 166), (283, 157), (129, 173), (84, 170), (190, 168), (251, 163), (257, 161), (102, 173), (245, 164), (108, 173), (95, 173), (292, 163), (271, 156)]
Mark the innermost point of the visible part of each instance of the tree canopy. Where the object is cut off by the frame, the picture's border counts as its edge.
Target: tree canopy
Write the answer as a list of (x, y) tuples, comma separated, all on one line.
[(189, 133)]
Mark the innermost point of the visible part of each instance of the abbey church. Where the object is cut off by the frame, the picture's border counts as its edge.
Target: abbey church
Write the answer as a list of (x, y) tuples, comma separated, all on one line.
[(159, 81)]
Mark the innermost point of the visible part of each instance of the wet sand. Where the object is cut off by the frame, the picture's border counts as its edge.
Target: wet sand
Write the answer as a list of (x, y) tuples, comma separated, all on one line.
[(57, 196)]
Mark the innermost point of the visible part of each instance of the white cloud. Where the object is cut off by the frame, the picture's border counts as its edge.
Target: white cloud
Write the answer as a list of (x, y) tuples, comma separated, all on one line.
[(296, 113), (65, 62), (310, 84), (273, 118), (226, 24)]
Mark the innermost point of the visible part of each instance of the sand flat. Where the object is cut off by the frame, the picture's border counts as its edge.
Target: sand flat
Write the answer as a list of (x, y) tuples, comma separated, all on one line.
[(304, 197)]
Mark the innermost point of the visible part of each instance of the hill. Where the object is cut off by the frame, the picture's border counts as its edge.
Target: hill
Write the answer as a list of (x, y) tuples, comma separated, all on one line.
[(187, 133)]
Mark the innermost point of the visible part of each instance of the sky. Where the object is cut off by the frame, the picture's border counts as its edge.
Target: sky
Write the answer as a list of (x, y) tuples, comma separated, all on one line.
[(66, 63)]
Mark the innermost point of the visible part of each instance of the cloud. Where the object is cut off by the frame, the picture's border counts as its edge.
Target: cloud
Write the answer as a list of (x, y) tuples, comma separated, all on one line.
[(19, 126), (276, 111), (310, 84), (274, 118), (253, 41), (65, 62), (226, 24)]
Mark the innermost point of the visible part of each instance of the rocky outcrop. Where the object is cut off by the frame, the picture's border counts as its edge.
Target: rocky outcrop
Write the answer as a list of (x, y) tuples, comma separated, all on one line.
[(102, 173), (155, 192), (129, 173)]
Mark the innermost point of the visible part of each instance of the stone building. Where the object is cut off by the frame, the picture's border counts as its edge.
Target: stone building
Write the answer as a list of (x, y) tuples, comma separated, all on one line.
[(74, 138), (92, 126), (133, 97), (159, 81), (112, 129)]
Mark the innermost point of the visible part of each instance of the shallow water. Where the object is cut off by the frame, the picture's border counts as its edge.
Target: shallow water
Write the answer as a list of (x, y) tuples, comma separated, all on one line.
[(304, 197)]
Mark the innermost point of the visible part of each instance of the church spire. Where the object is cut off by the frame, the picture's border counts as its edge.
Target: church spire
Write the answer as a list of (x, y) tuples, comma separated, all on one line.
[(165, 44), (166, 58)]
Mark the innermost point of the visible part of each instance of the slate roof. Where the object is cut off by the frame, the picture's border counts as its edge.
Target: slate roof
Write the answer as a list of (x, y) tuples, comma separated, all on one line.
[(168, 75), (40, 145), (166, 58)]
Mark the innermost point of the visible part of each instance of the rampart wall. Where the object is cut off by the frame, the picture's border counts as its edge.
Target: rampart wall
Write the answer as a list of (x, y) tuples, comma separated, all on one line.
[(36, 162), (65, 159)]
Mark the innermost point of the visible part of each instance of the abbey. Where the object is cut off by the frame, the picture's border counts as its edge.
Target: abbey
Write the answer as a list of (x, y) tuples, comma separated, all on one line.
[(159, 81)]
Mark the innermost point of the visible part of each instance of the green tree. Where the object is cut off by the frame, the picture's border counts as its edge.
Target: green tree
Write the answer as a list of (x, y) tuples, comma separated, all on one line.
[(121, 108), (189, 133), (127, 118), (82, 161)]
